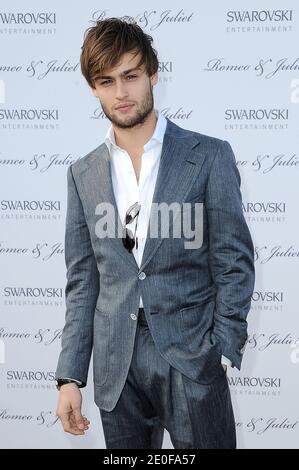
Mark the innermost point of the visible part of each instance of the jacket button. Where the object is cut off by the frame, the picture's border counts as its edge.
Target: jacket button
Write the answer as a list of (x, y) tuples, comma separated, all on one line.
[(142, 276), (133, 316)]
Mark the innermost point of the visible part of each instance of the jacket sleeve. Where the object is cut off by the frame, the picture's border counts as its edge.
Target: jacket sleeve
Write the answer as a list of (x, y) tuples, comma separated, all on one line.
[(231, 254), (81, 291)]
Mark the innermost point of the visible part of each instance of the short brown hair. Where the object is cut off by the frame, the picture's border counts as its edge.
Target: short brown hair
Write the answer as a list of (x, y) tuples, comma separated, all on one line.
[(108, 40)]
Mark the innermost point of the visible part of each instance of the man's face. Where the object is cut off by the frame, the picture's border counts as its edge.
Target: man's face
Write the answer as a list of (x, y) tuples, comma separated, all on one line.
[(125, 84)]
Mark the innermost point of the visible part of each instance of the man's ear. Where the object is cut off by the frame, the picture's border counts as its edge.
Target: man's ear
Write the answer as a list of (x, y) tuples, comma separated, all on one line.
[(154, 78)]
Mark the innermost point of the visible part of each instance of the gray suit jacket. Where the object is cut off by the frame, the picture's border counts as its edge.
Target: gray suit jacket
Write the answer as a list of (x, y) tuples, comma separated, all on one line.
[(196, 300)]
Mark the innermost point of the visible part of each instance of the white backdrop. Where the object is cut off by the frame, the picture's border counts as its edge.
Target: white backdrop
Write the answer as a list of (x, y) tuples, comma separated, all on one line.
[(227, 69)]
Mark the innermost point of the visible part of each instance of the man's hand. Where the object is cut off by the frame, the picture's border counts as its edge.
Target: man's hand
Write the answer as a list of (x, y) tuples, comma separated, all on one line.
[(69, 409)]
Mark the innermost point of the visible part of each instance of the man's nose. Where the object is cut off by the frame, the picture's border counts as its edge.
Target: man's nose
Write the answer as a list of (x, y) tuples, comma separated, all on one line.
[(121, 90)]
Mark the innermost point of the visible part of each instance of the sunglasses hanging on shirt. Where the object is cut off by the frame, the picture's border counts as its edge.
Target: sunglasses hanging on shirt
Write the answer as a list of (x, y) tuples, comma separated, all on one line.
[(129, 240)]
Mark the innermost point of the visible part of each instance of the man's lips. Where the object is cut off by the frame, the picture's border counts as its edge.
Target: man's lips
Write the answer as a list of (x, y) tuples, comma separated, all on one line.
[(124, 106)]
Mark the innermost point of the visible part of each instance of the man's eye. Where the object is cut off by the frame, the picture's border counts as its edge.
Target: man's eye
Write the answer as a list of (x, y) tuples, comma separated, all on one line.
[(107, 82)]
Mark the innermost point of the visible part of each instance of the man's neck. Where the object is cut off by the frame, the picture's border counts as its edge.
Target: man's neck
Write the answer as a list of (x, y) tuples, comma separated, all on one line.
[(137, 137)]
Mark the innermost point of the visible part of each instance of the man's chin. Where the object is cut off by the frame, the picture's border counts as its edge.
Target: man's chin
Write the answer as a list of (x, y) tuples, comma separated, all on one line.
[(126, 122)]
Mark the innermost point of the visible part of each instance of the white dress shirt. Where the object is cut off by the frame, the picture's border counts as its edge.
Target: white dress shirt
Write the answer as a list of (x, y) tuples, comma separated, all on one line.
[(125, 186), (126, 189)]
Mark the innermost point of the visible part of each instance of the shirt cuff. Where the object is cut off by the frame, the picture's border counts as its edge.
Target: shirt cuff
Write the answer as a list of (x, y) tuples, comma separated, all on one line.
[(75, 380), (226, 361)]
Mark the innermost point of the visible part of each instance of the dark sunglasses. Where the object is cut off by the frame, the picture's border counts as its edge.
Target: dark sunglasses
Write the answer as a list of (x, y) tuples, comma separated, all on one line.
[(128, 237)]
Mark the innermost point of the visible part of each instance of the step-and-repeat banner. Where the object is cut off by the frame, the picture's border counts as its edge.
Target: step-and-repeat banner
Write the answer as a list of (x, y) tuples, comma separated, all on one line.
[(227, 69)]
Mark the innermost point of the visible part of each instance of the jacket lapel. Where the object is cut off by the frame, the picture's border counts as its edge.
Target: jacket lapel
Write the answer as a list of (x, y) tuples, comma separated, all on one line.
[(178, 169), (105, 194)]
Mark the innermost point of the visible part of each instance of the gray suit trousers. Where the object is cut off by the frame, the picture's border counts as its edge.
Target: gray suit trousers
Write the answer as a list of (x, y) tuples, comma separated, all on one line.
[(156, 396)]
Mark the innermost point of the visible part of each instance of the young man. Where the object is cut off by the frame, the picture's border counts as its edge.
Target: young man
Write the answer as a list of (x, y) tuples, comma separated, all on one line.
[(162, 321)]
